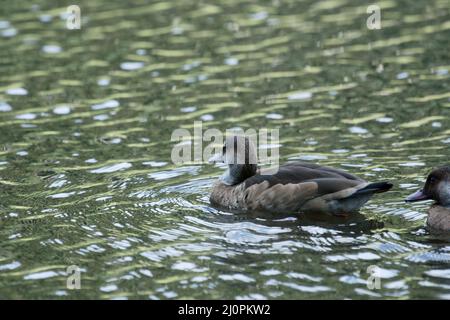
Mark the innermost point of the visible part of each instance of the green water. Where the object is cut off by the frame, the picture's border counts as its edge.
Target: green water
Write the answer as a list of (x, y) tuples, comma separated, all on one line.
[(86, 116)]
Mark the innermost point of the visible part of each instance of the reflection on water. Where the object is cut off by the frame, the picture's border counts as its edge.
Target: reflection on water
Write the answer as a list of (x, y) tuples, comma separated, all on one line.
[(86, 118)]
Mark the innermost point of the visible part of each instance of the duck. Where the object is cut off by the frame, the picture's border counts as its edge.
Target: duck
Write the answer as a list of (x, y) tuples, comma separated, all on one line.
[(437, 188), (296, 187)]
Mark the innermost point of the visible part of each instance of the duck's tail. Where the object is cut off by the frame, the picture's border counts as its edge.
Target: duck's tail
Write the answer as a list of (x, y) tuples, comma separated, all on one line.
[(375, 187)]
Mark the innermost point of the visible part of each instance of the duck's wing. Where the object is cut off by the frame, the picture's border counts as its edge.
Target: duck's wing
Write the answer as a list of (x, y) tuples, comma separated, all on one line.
[(300, 172), (304, 167), (295, 184), (311, 195)]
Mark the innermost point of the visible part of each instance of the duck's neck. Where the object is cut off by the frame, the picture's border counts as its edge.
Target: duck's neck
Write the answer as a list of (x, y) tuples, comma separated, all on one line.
[(237, 173)]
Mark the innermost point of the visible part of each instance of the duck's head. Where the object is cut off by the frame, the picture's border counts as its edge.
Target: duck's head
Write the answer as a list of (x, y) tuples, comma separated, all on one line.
[(437, 188), (239, 153)]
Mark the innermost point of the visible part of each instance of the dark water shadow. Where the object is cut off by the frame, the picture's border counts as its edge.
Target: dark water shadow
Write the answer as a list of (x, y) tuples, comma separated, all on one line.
[(352, 223)]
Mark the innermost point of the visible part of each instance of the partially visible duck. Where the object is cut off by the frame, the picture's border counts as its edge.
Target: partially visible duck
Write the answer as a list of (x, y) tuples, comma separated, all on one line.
[(437, 188), (296, 187)]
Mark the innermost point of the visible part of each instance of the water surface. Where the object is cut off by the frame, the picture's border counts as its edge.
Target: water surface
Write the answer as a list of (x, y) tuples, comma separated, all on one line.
[(86, 116)]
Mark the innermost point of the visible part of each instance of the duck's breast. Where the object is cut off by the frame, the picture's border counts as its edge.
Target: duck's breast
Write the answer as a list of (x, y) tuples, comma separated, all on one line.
[(228, 196), (439, 218)]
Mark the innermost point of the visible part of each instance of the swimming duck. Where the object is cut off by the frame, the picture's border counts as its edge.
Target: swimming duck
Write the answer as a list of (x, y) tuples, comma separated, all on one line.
[(437, 188), (297, 187)]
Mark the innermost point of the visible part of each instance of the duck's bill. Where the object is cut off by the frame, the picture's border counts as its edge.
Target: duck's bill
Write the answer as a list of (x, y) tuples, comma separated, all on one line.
[(417, 196), (216, 158)]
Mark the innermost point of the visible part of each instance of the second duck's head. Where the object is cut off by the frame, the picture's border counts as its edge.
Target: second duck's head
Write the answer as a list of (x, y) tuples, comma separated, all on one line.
[(239, 153), (437, 187)]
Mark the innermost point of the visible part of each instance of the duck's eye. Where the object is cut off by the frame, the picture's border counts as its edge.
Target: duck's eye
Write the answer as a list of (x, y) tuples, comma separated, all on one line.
[(432, 179)]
